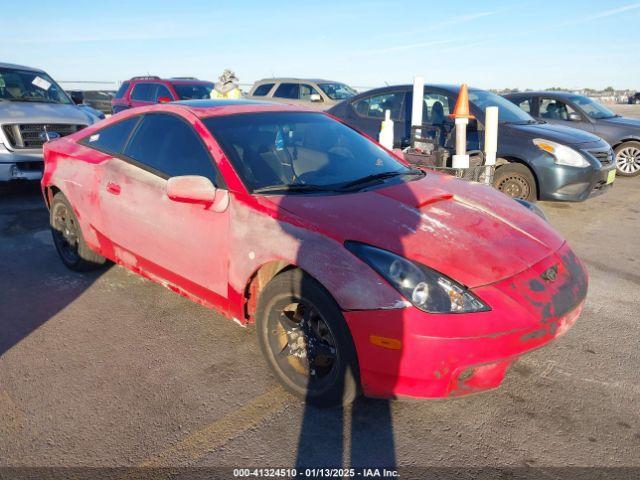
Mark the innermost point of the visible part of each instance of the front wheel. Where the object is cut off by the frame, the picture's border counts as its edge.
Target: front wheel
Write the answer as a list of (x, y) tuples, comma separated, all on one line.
[(628, 159), (305, 340), (67, 237), (516, 181)]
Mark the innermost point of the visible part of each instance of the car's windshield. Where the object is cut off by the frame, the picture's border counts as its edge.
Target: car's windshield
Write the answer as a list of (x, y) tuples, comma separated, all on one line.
[(592, 108), (294, 151), (193, 91), (507, 111), (27, 86), (337, 91)]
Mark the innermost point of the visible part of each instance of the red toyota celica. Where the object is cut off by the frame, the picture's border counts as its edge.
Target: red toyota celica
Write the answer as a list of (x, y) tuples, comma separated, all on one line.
[(362, 273)]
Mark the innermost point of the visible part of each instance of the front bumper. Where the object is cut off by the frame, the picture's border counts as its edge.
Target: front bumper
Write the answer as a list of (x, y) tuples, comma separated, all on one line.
[(572, 184), (24, 165), (434, 355)]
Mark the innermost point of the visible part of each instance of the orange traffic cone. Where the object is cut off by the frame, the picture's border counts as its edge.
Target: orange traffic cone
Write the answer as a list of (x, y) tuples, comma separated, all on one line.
[(461, 109)]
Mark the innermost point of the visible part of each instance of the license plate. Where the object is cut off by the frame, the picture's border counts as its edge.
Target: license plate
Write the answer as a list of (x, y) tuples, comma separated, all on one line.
[(611, 176)]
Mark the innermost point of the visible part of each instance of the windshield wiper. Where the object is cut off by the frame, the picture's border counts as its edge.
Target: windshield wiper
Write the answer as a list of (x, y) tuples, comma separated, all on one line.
[(521, 122), (378, 177), (37, 100), (295, 187)]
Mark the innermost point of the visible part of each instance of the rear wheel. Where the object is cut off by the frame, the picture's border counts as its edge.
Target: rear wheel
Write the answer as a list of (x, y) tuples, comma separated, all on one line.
[(67, 237), (515, 180), (628, 159), (306, 341)]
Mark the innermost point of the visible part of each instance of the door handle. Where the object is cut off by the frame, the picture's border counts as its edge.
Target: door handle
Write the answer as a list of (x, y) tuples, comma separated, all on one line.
[(113, 188)]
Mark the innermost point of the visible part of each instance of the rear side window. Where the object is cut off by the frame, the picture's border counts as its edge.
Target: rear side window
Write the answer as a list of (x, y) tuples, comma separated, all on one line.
[(262, 90), (288, 90), (169, 146), (162, 91), (144, 92), (111, 139), (122, 89)]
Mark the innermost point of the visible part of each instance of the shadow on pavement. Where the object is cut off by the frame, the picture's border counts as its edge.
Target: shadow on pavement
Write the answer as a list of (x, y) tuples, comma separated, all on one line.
[(34, 284), (360, 435)]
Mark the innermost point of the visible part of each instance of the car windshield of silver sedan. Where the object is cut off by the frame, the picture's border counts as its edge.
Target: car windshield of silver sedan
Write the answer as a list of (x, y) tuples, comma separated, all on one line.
[(337, 91), (29, 86), (507, 111), (294, 152), (592, 108)]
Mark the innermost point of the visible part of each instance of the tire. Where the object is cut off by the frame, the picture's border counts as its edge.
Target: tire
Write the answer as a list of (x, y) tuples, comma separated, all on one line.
[(67, 237), (305, 340), (516, 181), (628, 159)]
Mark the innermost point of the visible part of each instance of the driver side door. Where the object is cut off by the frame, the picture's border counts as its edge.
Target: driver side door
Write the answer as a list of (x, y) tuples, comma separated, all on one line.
[(181, 245)]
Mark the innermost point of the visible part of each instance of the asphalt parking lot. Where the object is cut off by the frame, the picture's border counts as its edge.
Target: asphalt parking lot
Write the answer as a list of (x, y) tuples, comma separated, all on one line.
[(108, 370)]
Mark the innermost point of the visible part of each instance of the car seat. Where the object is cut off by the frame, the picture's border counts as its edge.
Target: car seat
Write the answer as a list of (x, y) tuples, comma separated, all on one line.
[(437, 114), (552, 112), (263, 161)]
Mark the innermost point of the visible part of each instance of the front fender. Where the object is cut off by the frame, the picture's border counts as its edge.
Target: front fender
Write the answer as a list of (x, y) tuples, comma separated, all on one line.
[(261, 233)]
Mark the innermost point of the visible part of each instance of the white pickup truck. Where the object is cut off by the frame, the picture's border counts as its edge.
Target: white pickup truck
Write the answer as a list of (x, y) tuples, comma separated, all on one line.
[(33, 109)]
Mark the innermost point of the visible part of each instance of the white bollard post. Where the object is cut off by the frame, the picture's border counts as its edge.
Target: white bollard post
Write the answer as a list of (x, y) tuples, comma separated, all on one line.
[(490, 140), (461, 159), (418, 102), (385, 138)]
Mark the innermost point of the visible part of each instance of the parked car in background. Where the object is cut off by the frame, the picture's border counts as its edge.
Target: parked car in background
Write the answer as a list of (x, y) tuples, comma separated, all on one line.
[(579, 111), (33, 109), (97, 99), (313, 93), (88, 108), (355, 268), (536, 160), (147, 90), (635, 98)]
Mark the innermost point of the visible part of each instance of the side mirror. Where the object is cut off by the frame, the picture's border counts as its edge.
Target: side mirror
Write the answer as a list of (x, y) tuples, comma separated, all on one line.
[(575, 117), (191, 189), (164, 99), (315, 97)]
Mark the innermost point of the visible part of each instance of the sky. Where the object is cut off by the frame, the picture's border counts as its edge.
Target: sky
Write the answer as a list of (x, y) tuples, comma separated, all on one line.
[(487, 44)]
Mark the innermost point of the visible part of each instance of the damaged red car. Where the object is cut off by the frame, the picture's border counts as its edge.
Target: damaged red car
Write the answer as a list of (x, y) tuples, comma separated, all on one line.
[(361, 273)]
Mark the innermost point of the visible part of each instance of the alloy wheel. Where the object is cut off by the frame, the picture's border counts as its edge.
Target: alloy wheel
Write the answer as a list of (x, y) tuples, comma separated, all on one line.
[(65, 233), (628, 160), (303, 346)]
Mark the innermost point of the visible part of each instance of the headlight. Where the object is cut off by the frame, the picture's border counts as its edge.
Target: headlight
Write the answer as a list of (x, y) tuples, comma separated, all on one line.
[(562, 154), (425, 288)]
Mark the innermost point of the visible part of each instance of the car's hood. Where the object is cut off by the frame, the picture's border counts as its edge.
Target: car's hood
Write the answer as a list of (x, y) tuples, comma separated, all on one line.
[(556, 133), (622, 121), (32, 112), (472, 233)]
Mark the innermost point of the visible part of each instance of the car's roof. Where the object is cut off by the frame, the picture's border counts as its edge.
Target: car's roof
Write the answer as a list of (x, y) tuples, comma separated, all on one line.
[(19, 67), (293, 80), (177, 80), (551, 93), (439, 86), (190, 81), (209, 108)]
